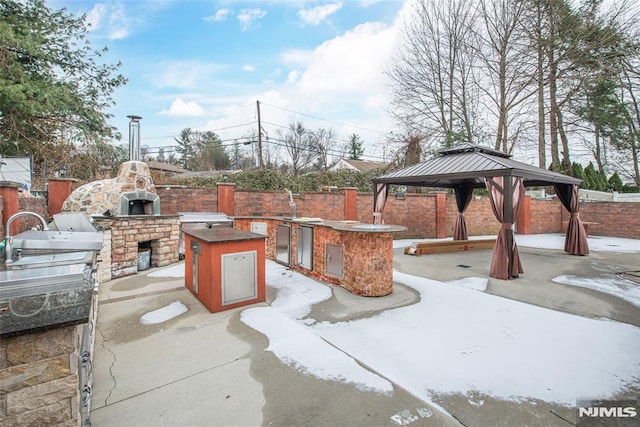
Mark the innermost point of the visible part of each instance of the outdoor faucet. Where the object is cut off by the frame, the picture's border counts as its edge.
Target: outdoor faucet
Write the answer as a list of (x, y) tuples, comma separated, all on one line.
[(8, 241), (291, 203)]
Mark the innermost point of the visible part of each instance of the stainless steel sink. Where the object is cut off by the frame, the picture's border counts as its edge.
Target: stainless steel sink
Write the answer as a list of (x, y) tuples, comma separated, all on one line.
[(57, 240), (51, 260), (35, 298)]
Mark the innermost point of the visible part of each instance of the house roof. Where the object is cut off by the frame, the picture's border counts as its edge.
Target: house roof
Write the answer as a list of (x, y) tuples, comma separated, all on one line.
[(363, 165), (165, 167), (467, 165)]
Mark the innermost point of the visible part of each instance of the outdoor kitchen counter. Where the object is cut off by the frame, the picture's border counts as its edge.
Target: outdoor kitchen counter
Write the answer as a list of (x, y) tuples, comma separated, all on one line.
[(356, 256), (224, 267), (222, 234), (354, 226)]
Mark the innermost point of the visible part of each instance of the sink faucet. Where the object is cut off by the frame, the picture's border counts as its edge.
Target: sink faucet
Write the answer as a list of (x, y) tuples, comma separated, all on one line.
[(9, 238), (291, 203)]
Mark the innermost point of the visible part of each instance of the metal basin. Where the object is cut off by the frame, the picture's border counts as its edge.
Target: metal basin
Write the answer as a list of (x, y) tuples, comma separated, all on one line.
[(57, 241), (35, 298), (372, 227), (51, 260)]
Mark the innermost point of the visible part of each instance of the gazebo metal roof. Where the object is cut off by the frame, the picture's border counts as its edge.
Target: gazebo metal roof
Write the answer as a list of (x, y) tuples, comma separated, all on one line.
[(466, 165)]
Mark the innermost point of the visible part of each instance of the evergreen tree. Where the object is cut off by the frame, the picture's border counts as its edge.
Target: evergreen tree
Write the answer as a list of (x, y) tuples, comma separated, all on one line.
[(615, 182), (578, 171), (355, 147), (53, 88)]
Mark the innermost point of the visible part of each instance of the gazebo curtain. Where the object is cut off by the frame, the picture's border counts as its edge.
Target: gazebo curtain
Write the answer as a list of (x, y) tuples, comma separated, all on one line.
[(379, 200), (506, 195), (575, 242), (463, 198)]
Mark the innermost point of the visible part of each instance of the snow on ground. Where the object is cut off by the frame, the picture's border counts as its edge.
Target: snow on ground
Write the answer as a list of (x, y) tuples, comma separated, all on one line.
[(622, 288), (175, 270), (456, 339), (163, 314), (551, 241), (298, 346)]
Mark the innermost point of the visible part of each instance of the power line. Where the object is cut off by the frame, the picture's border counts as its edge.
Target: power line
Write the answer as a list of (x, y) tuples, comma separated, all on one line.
[(382, 133)]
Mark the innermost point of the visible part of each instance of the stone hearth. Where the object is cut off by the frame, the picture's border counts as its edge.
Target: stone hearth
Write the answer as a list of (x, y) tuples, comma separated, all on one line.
[(127, 232)]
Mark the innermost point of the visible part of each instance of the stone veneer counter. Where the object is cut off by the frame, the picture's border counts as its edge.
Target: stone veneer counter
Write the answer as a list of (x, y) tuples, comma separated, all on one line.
[(367, 251)]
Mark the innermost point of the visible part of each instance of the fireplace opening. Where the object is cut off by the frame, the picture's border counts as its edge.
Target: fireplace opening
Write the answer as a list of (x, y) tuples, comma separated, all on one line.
[(140, 207), (144, 255)]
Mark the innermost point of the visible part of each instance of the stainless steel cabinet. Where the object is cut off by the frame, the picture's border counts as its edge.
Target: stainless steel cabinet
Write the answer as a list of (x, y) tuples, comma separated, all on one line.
[(305, 247), (239, 277), (334, 262), (283, 244)]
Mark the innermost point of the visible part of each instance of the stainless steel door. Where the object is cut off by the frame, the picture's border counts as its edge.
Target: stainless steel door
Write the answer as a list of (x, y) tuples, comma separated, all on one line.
[(196, 249), (305, 247), (239, 277), (283, 244), (334, 263)]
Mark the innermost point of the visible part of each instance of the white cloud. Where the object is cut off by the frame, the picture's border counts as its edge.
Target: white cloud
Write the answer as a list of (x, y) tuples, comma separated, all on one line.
[(296, 56), (184, 109), (221, 15), (248, 67), (182, 74), (350, 64), (110, 19), (248, 16), (318, 14)]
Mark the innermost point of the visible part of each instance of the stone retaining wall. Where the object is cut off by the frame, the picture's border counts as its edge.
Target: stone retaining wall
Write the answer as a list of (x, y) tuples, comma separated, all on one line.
[(39, 378)]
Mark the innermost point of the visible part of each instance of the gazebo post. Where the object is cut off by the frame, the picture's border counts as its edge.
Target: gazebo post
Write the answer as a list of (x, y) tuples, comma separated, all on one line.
[(508, 218)]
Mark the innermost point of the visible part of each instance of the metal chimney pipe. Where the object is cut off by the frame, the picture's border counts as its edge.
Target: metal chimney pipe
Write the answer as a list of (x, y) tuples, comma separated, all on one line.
[(134, 138)]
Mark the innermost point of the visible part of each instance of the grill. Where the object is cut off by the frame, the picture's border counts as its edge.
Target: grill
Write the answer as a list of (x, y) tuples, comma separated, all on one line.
[(200, 220)]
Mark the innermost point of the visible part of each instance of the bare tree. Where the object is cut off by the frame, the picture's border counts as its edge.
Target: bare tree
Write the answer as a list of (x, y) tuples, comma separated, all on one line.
[(507, 67), (323, 142), (297, 143), (434, 95)]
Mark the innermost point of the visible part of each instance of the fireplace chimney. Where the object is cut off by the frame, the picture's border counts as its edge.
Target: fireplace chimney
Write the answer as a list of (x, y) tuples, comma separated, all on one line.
[(134, 138)]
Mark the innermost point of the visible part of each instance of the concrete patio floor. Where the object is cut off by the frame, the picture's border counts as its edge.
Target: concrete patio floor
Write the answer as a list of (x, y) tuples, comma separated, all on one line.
[(203, 369)]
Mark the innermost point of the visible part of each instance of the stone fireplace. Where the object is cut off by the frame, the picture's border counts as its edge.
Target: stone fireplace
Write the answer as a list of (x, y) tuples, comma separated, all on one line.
[(129, 234)]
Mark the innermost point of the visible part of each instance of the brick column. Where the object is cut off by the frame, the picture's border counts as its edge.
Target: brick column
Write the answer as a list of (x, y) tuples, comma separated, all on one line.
[(9, 194), (523, 222), (351, 203), (59, 190), (226, 194), (441, 215)]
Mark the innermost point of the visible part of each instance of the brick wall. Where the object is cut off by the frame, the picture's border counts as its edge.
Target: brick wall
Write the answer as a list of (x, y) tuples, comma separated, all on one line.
[(546, 216), (614, 219), (415, 211), (187, 199)]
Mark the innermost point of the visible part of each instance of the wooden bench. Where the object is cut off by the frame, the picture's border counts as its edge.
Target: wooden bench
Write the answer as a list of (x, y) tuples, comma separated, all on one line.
[(586, 224), (426, 248)]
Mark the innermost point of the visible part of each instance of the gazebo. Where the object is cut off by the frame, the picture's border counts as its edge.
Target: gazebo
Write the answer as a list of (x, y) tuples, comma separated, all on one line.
[(467, 166)]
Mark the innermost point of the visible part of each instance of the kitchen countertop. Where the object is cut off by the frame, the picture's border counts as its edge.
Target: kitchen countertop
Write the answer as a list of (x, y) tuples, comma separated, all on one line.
[(353, 226), (222, 234)]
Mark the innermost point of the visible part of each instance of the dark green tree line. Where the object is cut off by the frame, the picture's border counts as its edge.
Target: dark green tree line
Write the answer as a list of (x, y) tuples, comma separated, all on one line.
[(54, 89)]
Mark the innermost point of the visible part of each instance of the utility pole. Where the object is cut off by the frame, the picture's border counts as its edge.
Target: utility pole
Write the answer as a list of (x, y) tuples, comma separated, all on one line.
[(259, 136)]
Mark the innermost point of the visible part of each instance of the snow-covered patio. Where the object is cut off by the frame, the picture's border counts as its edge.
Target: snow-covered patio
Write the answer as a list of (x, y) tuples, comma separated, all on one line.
[(455, 338)]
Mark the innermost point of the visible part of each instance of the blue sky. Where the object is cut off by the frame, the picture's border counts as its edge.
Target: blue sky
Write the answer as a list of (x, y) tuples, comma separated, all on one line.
[(203, 64)]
